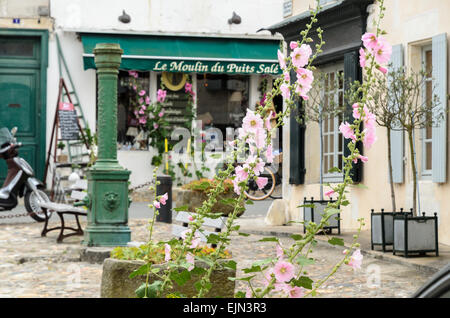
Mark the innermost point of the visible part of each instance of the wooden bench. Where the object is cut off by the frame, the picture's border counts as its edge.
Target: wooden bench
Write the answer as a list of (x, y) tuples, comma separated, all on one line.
[(61, 209), (215, 225)]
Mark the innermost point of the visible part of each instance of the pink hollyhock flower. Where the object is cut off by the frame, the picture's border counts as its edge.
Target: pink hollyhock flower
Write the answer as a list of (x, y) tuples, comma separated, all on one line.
[(155, 126), (284, 271), (190, 218), (191, 260), (134, 87), (132, 73), (347, 131), (304, 77), (141, 111), (382, 52), (241, 173), (261, 182), (287, 77), (281, 60), (369, 137), (141, 100), (188, 87), (362, 58), (269, 154), (156, 204), (296, 292), (285, 91), (300, 55), (293, 45), (267, 122), (161, 95), (143, 120), (195, 240), (147, 99), (252, 122), (260, 138), (362, 158), (258, 165), (142, 92), (356, 260), (161, 113), (382, 69), (167, 250), (164, 198), (236, 187), (302, 91), (370, 40), (330, 193)]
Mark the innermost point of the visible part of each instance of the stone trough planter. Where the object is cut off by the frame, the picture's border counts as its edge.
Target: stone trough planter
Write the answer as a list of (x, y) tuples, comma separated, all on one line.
[(194, 199), (314, 214), (415, 235), (382, 228), (117, 284)]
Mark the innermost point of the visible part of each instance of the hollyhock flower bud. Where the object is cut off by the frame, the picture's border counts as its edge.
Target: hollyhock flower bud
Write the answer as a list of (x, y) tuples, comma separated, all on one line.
[(382, 69), (330, 193), (293, 45)]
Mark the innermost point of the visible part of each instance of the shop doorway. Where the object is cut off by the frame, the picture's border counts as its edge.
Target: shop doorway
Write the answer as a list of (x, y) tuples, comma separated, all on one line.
[(20, 97)]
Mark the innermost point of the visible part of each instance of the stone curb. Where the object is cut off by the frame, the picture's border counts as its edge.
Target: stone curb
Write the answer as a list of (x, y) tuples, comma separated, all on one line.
[(95, 255), (374, 254)]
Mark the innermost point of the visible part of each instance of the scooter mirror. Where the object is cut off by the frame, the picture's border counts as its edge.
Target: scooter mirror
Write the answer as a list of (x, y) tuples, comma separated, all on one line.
[(14, 131)]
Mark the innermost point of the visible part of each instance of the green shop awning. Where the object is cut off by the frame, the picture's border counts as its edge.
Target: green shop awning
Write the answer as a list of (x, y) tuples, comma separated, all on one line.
[(188, 53)]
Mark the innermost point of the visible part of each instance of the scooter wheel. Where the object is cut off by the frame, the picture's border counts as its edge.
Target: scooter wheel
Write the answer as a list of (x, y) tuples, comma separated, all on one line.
[(31, 204)]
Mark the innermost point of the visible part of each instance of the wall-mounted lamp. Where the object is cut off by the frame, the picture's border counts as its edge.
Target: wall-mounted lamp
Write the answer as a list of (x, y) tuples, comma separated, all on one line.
[(234, 19), (124, 18)]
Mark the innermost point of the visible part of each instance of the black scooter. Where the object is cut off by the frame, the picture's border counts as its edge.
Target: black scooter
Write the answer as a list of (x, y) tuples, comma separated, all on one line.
[(20, 181)]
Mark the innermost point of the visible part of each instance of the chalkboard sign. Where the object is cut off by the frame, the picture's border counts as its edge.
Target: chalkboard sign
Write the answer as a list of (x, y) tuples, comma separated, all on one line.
[(68, 122), (175, 106)]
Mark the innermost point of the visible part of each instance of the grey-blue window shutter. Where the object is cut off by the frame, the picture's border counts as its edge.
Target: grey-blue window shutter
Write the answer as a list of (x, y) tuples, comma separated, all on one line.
[(397, 139), (439, 142)]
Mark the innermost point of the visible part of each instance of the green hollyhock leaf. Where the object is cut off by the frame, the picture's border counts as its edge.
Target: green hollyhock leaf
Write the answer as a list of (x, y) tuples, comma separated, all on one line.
[(296, 237), (336, 241), (304, 261), (181, 278), (304, 282), (143, 270), (230, 264), (181, 208)]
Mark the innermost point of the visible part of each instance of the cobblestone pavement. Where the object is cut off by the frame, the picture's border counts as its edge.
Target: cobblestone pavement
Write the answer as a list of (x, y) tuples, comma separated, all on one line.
[(35, 266)]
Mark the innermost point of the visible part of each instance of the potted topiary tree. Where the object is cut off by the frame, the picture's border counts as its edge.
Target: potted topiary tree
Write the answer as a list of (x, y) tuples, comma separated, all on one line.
[(61, 158), (414, 110)]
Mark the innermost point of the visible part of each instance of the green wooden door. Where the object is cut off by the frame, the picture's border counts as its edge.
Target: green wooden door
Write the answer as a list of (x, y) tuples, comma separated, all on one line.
[(20, 96)]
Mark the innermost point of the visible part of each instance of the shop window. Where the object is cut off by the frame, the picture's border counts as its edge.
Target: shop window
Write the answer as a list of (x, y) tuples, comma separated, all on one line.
[(333, 141), (222, 100), (129, 135), (427, 132)]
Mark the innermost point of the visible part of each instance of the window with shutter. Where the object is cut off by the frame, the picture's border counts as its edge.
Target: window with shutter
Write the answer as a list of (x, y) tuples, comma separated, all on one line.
[(427, 132)]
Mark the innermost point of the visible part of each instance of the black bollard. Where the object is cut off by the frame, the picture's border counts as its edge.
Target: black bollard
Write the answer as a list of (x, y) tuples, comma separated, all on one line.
[(165, 212)]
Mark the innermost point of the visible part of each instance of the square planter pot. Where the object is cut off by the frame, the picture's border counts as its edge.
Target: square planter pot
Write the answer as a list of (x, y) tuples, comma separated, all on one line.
[(117, 284), (418, 235), (382, 228), (314, 214)]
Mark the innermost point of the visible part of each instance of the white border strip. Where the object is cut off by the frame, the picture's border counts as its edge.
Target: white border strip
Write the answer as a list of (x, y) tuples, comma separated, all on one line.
[(151, 57)]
